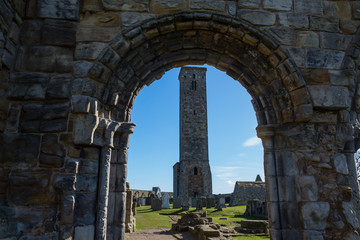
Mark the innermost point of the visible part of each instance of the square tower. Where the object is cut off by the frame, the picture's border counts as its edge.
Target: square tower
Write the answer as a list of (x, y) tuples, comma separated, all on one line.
[(192, 175)]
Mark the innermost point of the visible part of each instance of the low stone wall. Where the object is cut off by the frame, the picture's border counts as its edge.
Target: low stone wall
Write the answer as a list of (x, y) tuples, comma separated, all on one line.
[(245, 191)]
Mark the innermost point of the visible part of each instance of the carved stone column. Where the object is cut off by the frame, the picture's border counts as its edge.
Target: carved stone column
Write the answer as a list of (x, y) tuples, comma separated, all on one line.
[(266, 133), (118, 179)]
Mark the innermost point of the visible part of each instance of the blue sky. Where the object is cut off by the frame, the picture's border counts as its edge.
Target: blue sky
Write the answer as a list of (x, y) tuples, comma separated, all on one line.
[(235, 153)]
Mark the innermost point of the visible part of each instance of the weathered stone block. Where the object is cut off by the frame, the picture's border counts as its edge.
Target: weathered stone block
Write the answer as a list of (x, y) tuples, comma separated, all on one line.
[(27, 188), (66, 9), (306, 188), (308, 6), (6, 12), (342, 78), (31, 112), (341, 9), (335, 41), (67, 208), (279, 5), (249, 3), (41, 59), (101, 19), (10, 145), (89, 50), (330, 97), (81, 68), (322, 58), (324, 24), (85, 209), (298, 55), (340, 163), (55, 111), (160, 7), (350, 214), (294, 20), (30, 33), (315, 215), (96, 34), (56, 125), (218, 5), (258, 17), (356, 10), (51, 161), (286, 164), (84, 232), (86, 183), (132, 18), (59, 86), (127, 5), (348, 26), (50, 145), (59, 32), (307, 39), (64, 60), (285, 36), (64, 182)]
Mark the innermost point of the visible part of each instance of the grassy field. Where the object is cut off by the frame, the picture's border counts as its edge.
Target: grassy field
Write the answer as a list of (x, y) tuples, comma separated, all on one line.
[(147, 218)]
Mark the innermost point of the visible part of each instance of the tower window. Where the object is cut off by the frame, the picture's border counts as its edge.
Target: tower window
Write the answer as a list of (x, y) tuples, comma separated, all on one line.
[(195, 171), (193, 75), (193, 85)]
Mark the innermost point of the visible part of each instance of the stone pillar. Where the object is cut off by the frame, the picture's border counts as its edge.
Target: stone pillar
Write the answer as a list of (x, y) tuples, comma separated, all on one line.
[(266, 133), (118, 179), (103, 193)]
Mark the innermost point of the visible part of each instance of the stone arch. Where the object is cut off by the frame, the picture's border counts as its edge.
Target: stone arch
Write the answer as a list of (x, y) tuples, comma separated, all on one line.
[(300, 153), (142, 54)]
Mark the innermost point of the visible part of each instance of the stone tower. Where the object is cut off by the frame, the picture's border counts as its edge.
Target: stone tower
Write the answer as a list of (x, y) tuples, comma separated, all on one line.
[(192, 175)]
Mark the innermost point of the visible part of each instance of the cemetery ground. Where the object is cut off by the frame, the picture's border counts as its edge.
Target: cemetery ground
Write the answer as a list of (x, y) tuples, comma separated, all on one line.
[(146, 218)]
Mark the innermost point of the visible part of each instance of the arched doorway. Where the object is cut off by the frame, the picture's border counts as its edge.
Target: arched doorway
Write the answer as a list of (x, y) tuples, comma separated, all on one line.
[(300, 155)]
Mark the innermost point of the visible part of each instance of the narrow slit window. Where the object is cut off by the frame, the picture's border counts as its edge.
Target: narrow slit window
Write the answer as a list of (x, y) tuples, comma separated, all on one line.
[(193, 85), (195, 171)]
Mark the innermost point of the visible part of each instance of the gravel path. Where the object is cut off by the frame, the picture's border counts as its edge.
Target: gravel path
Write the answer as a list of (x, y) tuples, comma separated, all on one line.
[(158, 234)]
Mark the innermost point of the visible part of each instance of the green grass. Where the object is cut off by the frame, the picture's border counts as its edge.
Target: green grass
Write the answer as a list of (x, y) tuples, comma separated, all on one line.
[(147, 218)]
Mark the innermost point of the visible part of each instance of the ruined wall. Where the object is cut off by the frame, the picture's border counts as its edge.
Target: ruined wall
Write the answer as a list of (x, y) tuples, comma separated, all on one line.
[(69, 81), (245, 191)]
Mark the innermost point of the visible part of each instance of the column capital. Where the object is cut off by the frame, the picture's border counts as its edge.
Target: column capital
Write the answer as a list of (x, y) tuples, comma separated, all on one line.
[(265, 131)]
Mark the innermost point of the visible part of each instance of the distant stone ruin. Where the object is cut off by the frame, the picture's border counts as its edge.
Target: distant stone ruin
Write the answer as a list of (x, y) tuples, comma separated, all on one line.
[(246, 191)]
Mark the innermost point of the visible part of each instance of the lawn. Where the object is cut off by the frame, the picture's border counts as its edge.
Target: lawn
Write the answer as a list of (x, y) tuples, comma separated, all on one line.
[(147, 218)]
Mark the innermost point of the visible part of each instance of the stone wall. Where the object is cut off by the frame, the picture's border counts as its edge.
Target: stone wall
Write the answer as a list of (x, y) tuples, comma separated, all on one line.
[(245, 191), (71, 71)]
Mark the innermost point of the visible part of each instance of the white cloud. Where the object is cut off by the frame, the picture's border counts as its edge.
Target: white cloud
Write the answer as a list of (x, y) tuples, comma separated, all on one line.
[(253, 141), (229, 182)]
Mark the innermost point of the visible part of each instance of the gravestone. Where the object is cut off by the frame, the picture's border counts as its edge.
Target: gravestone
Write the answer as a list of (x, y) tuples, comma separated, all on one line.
[(156, 204), (222, 202), (165, 201), (142, 201), (199, 204), (193, 202), (185, 202), (177, 203), (210, 202)]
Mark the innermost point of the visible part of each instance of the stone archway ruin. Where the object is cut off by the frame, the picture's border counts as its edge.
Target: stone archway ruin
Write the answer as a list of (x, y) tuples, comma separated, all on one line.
[(72, 121)]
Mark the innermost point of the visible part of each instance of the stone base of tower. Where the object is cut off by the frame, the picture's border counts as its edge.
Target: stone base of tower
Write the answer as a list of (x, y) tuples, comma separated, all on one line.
[(192, 178)]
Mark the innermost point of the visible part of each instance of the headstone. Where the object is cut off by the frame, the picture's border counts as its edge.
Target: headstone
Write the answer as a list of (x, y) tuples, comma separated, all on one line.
[(165, 201), (177, 203), (142, 201), (256, 208), (193, 202), (222, 202), (210, 202), (199, 204), (185, 203), (156, 204), (157, 192)]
